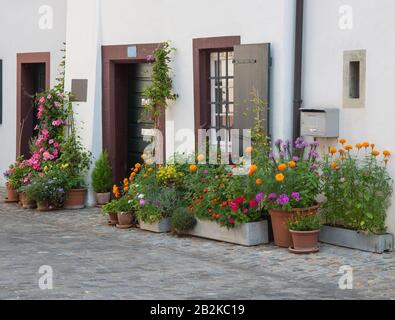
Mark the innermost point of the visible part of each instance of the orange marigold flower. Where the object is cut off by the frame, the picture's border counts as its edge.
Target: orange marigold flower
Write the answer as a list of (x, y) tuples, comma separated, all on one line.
[(358, 146), (342, 158), (292, 164), (282, 167), (332, 150), (192, 168), (252, 170), (342, 151), (249, 150), (137, 165), (334, 165), (258, 182), (386, 153), (375, 153), (200, 157), (366, 144), (372, 145), (342, 141), (348, 148), (280, 177)]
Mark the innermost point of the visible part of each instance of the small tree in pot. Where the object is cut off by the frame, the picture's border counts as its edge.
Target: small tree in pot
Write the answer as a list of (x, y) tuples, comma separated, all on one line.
[(102, 179)]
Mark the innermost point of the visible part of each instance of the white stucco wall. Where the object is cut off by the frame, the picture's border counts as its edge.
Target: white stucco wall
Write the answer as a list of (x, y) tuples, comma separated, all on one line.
[(132, 22), (324, 43), (20, 33)]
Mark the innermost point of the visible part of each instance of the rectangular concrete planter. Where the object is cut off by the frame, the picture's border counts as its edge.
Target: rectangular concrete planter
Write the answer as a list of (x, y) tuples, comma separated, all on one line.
[(247, 234), (357, 240), (162, 226)]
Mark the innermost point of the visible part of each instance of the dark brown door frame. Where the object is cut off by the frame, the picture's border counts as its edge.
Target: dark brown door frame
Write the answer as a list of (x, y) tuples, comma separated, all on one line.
[(201, 71), (22, 109), (111, 56)]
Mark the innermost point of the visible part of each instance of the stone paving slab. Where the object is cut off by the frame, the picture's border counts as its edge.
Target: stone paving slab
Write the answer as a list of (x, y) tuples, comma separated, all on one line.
[(91, 260)]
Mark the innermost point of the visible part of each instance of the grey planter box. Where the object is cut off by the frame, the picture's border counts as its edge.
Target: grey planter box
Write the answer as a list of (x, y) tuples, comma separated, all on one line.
[(357, 240), (162, 226), (248, 234)]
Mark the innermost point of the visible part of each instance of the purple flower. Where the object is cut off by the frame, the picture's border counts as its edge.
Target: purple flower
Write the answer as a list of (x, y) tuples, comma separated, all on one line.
[(314, 154), (271, 155), (278, 142), (295, 158), (314, 144), (142, 202), (300, 143), (295, 196), (272, 196), (150, 58), (260, 197), (314, 166), (205, 171), (283, 199)]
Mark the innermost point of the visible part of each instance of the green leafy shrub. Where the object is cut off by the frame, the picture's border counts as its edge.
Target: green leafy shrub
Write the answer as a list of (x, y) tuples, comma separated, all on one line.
[(304, 223), (181, 221), (357, 188), (102, 174), (110, 207)]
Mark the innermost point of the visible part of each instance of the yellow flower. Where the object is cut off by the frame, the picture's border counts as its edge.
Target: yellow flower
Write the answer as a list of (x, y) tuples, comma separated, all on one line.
[(332, 150), (280, 177), (200, 157), (282, 167), (342, 141), (292, 164)]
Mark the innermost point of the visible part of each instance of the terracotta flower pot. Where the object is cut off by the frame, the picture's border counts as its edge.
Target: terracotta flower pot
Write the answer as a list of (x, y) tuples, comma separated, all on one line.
[(125, 220), (113, 219), (27, 203), (75, 199), (12, 194), (43, 206), (282, 236), (306, 241), (103, 198)]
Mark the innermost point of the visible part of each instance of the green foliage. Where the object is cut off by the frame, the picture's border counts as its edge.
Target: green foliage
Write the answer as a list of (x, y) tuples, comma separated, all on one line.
[(358, 189), (18, 173), (102, 174), (149, 213), (161, 89), (110, 207), (76, 159), (304, 223), (124, 204), (182, 220)]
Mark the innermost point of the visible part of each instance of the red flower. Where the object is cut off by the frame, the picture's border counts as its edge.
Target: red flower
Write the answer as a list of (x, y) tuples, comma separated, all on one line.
[(253, 203), (233, 206), (239, 200), (231, 220)]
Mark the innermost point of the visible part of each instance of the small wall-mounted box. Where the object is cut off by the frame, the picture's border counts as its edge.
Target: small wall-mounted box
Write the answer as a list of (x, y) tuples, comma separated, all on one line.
[(319, 122)]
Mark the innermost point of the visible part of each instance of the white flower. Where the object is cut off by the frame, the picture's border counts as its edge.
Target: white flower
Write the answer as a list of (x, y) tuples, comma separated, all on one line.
[(141, 196)]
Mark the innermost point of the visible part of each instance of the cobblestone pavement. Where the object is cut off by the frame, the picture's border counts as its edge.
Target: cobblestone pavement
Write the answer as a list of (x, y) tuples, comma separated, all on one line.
[(91, 260)]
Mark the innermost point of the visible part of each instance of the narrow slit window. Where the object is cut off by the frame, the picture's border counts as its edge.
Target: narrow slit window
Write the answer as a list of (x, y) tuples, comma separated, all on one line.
[(354, 80)]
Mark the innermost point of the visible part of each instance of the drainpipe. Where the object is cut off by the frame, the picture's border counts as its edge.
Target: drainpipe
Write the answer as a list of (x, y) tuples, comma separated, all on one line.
[(297, 101)]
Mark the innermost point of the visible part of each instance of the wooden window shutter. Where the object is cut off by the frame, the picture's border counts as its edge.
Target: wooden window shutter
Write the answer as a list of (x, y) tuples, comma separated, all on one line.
[(251, 74)]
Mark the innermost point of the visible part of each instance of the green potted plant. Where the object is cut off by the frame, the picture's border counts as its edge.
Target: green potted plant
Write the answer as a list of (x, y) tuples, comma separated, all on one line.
[(125, 208), (357, 191), (291, 185), (110, 210), (102, 179), (76, 161), (182, 221), (13, 177), (304, 230)]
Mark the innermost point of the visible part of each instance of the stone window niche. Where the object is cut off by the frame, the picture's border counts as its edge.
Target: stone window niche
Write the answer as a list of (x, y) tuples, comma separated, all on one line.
[(354, 79)]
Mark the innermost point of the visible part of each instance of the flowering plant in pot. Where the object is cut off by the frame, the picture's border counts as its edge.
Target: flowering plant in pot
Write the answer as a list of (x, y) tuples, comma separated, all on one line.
[(292, 184), (15, 175), (304, 230), (110, 210), (76, 161), (357, 187), (102, 179), (46, 189), (125, 208)]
